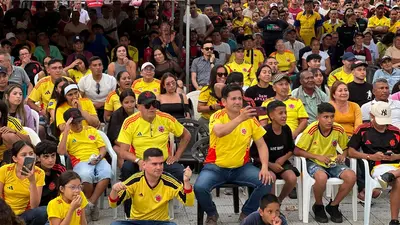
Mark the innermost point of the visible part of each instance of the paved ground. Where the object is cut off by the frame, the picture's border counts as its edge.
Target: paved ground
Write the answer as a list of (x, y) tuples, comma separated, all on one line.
[(380, 213)]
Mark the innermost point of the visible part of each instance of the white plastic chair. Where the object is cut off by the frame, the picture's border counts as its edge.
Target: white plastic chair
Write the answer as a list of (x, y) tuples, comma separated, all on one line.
[(35, 139), (281, 182), (36, 78), (36, 118), (113, 156), (194, 98), (370, 185)]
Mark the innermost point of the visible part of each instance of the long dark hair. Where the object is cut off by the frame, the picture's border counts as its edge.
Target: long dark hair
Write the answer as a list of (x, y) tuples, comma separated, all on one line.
[(324, 80), (213, 78), (20, 110), (259, 71), (8, 217), (162, 50), (114, 59), (4, 113), (84, 60), (118, 77), (17, 146), (163, 78), (55, 95)]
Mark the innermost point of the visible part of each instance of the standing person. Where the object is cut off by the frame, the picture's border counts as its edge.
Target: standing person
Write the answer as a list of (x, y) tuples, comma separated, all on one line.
[(360, 91), (263, 89), (149, 183), (379, 24), (308, 23), (231, 130), (200, 22), (240, 65), (392, 75), (319, 144), (346, 31), (201, 66)]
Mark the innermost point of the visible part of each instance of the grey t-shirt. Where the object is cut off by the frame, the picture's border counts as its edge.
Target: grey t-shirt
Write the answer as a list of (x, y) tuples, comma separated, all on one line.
[(19, 76)]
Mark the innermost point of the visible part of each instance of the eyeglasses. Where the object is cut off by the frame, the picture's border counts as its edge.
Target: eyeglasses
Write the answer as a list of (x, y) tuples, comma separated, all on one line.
[(155, 104), (98, 88), (209, 48), (222, 74), (149, 69), (75, 188)]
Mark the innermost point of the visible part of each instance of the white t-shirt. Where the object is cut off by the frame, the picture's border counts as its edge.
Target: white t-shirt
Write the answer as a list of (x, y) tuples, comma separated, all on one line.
[(223, 49), (199, 23), (84, 18), (324, 56), (394, 106), (88, 85)]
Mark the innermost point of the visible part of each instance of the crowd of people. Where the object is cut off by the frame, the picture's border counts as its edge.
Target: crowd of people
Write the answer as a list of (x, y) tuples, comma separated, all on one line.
[(274, 80)]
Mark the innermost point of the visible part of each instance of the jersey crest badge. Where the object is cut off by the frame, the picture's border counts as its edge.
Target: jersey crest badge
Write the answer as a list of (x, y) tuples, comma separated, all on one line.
[(79, 212), (91, 137), (158, 198), (161, 129), (244, 131), (291, 106), (334, 143)]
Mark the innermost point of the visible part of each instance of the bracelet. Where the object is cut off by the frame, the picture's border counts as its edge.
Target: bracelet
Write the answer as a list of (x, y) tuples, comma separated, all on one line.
[(188, 191), (113, 200)]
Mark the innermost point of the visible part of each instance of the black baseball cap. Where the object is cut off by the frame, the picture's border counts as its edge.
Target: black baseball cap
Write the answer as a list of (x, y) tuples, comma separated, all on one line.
[(357, 64), (239, 47), (146, 97), (73, 113), (77, 38), (3, 69), (248, 37)]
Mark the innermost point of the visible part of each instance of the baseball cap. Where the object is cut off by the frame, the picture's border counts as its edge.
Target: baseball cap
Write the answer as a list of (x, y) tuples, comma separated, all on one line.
[(367, 31), (146, 97), (280, 76), (3, 69), (386, 57), (146, 64), (239, 47), (73, 113), (325, 35), (379, 4), (248, 37), (10, 35), (349, 56), (273, 5), (77, 38), (382, 112), (357, 64)]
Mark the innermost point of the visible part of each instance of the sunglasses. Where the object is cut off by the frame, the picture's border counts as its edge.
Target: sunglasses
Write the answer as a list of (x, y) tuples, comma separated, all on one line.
[(209, 48), (98, 88), (155, 104), (222, 74)]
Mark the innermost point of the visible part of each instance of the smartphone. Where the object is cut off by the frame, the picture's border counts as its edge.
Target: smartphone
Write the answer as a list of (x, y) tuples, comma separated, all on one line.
[(388, 153), (29, 162), (261, 111)]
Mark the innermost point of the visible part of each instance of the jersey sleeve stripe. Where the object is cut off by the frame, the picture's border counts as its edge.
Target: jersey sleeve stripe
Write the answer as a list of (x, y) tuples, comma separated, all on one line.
[(110, 96), (15, 123), (128, 121)]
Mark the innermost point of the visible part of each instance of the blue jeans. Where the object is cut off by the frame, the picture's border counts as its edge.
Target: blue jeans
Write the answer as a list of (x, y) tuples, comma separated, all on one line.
[(212, 176), (36, 216), (142, 222)]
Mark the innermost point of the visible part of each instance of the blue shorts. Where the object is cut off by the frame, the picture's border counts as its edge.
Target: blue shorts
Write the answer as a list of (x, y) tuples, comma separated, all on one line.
[(332, 172), (93, 173)]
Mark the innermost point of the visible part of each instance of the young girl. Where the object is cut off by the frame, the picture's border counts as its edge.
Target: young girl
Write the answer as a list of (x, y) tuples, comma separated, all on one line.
[(68, 207), (78, 69)]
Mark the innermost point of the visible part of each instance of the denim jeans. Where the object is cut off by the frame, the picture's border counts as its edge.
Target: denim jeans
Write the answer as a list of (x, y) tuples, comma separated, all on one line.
[(212, 176), (142, 222), (36, 216)]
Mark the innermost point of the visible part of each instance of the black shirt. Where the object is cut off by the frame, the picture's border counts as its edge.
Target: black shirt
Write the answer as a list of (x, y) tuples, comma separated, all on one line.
[(360, 93), (259, 94), (272, 30), (278, 145), (346, 35), (50, 188), (218, 22), (371, 141)]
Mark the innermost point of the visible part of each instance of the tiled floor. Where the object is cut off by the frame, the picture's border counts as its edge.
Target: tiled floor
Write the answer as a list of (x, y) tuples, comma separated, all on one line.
[(380, 213)]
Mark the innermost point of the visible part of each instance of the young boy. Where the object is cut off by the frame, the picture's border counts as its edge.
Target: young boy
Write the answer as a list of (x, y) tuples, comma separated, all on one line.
[(46, 153), (268, 214), (86, 150), (324, 144), (280, 146)]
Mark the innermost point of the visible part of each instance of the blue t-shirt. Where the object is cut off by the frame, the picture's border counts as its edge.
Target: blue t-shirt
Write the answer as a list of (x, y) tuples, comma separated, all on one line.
[(255, 219)]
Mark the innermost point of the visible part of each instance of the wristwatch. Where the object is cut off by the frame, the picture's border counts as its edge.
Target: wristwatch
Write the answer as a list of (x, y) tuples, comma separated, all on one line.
[(137, 160)]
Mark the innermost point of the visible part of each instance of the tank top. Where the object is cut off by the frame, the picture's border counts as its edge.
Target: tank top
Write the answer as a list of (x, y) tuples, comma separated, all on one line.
[(119, 68)]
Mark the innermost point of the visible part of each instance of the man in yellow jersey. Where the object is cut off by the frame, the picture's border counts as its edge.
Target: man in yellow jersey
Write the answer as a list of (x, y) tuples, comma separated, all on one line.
[(324, 145), (146, 129), (227, 161), (308, 23), (242, 21), (343, 73), (147, 82), (296, 112), (150, 191), (240, 65), (379, 24), (252, 55)]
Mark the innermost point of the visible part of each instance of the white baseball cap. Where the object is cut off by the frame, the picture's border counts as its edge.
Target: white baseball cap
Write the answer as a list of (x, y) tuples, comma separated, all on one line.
[(147, 64), (382, 112), (10, 35)]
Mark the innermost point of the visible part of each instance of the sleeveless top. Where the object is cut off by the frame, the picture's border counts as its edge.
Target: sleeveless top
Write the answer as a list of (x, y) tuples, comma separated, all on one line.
[(119, 68)]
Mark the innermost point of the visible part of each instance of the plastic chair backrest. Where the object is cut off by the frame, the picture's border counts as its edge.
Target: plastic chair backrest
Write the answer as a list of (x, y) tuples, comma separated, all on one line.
[(200, 149), (194, 98), (36, 118), (35, 139), (196, 130)]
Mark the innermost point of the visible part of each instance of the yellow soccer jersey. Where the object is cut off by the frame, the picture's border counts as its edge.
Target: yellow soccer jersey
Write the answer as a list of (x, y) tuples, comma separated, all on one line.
[(16, 191), (246, 69), (375, 22), (151, 203), (206, 97), (76, 75), (140, 86), (237, 23), (87, 105), (314, 142), (341, 75), (58, 208), (284, 60), (14, 124), (112, 102)]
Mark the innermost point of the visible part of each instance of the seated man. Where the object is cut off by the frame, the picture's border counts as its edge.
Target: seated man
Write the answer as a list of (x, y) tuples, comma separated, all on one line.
[(268, 213), (379, 143), (231, 131), (46, 153), (87, 151), (151, 190), (320, 144)]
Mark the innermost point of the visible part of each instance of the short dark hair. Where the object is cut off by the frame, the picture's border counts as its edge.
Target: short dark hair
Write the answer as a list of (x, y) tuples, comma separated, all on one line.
[(325, 107), (17, 146), (230, 88), (234, 77), (273, 105), (45, 147), (5, 42), (313, 56), (152, 152), (268, 199), (94, 58), (206, 42), (52, 61)]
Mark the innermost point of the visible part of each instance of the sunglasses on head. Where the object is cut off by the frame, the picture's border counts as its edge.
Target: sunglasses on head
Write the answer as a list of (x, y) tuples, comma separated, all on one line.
[(155, 104), (222, 74), (209, 48)]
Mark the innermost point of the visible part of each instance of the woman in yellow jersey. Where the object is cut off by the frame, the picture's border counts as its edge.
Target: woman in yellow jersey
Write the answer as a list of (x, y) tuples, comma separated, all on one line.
[(347, 114), (208, 100), (78, 69), (286, 59), (21, 187), (124, 82), (128, 102), (68, 207), (44, 72), (174, 103), (122, 62), (54, 96), (7, 216), (71, 98)]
